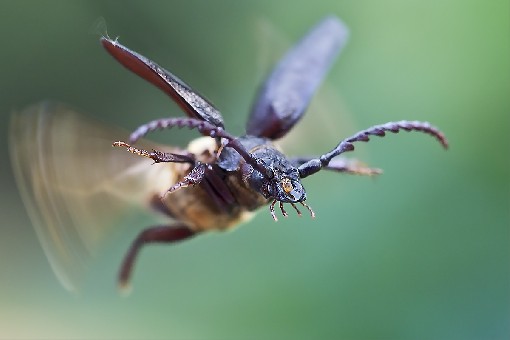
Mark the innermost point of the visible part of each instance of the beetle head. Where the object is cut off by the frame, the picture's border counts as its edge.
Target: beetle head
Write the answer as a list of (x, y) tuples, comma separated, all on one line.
[(274, 176), (277, 179), (284, 187)]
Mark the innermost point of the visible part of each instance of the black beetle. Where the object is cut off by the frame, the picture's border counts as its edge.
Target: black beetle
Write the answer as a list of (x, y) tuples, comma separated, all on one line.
[(214, 184)]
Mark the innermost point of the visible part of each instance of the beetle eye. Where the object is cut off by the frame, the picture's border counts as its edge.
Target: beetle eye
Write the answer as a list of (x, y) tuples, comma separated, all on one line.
[(287, 185)]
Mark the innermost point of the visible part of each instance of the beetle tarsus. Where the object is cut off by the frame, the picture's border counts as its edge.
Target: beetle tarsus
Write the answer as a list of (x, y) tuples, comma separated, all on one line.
[(129, 148)]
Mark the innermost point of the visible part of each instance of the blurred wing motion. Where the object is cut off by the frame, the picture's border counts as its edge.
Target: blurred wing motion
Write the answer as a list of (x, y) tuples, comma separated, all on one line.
[(74, 184), (286, 93)]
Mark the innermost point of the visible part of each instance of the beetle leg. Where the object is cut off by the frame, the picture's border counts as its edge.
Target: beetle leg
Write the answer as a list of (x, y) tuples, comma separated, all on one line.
[(194, 177), (157, 234), (158, 156)]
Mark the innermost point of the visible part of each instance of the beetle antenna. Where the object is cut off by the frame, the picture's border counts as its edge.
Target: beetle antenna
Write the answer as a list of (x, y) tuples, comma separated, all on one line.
[(204, 127), (316, 164)]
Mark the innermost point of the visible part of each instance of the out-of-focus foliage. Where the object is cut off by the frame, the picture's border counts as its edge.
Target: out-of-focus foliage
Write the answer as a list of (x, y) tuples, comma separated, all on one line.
[(422, 252)]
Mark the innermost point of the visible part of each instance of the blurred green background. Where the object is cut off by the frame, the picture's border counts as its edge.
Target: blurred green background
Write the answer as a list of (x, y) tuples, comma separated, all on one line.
[(422, 252)]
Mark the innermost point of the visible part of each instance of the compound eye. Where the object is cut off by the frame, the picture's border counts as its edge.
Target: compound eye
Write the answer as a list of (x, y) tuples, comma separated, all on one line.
[(286, 185)]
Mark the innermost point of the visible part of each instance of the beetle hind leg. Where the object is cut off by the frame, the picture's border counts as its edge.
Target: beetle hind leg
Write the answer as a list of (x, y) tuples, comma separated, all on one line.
[(157, 234)]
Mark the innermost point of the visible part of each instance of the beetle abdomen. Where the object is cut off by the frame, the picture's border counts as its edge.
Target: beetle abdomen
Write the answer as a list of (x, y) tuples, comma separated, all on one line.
[(202, 209)]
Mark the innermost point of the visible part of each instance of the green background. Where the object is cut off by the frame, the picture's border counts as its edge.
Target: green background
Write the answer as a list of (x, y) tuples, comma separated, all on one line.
[(422, 252)]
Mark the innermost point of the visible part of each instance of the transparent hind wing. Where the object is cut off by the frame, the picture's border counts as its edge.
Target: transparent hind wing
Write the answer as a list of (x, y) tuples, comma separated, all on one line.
[(75, 185)]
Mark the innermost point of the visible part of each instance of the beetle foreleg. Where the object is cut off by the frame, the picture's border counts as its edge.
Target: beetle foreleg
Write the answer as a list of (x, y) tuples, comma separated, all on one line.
[(158, 156), (158, 234), (316, 164)]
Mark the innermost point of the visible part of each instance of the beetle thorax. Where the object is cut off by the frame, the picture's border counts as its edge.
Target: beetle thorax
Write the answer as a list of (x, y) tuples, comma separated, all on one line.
[(280, 180)]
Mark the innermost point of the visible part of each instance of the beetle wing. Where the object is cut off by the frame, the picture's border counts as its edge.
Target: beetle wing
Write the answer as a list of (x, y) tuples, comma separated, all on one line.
[(194, 104), (74, 184), (286, 93), (326, 109)]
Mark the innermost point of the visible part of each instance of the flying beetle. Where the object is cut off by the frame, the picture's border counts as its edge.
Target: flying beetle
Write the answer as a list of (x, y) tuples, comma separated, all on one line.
[(73, 186)]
